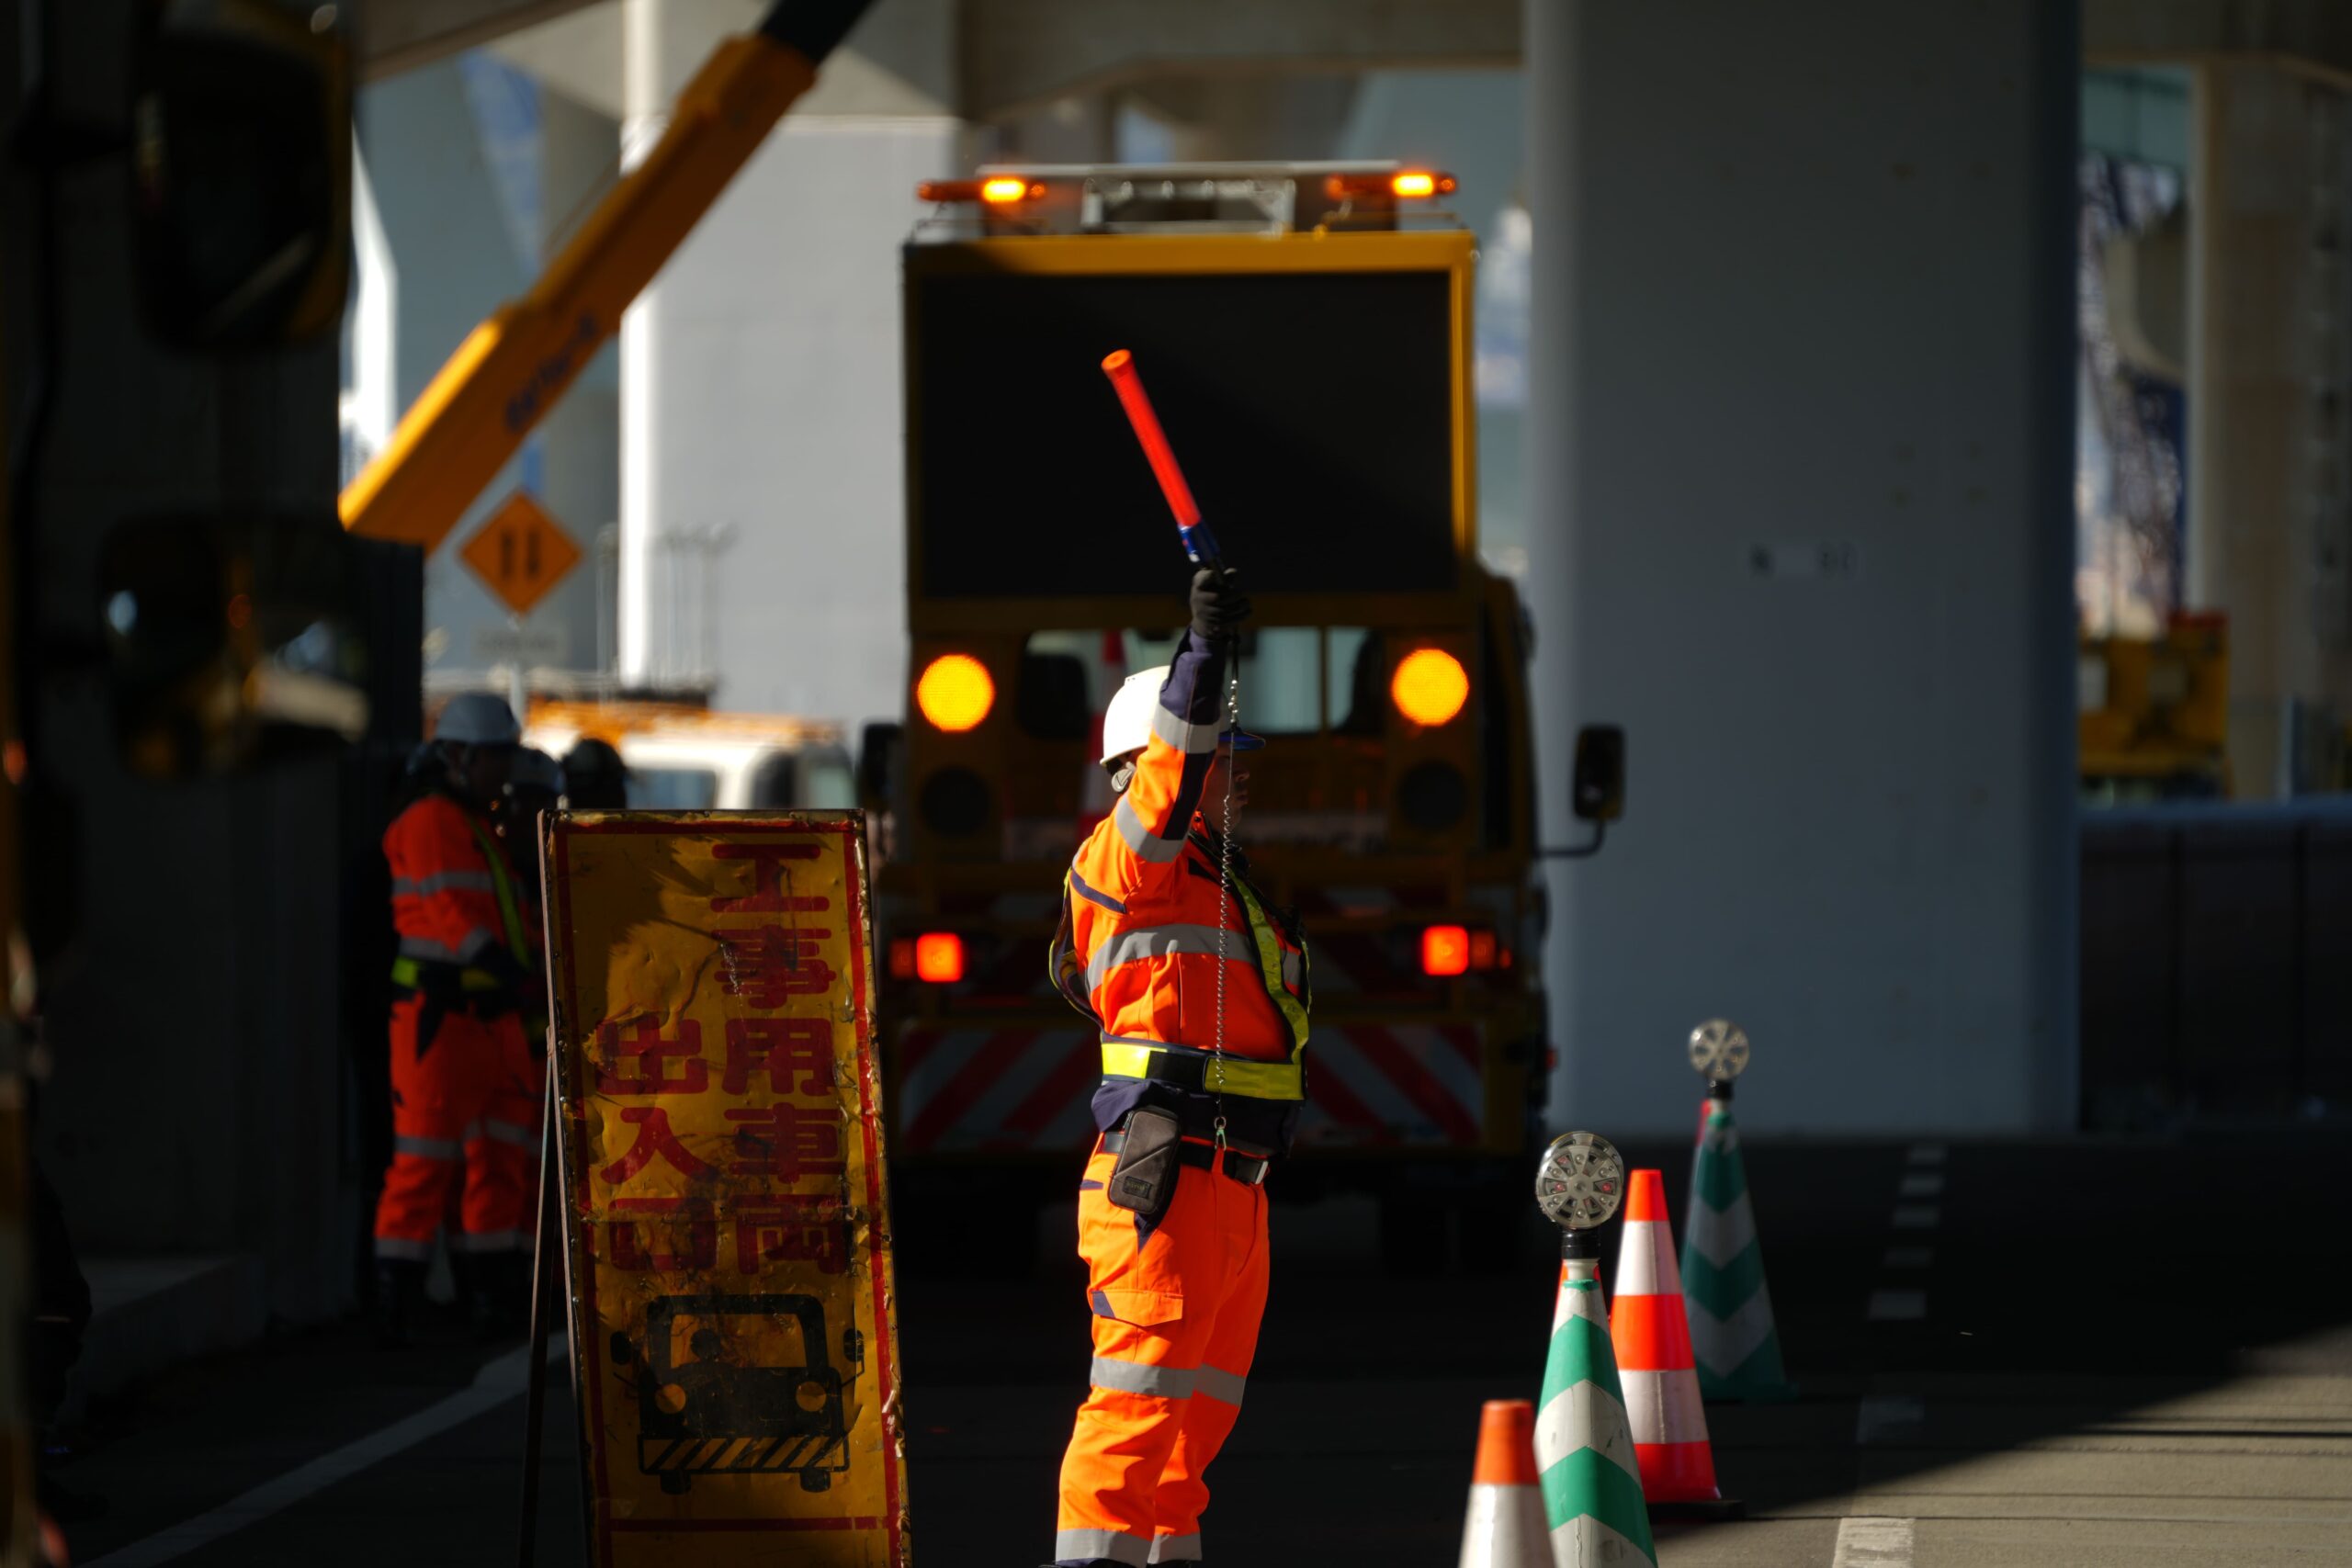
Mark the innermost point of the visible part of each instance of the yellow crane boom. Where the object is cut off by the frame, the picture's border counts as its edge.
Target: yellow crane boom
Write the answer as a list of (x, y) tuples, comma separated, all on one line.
[(513, 368)]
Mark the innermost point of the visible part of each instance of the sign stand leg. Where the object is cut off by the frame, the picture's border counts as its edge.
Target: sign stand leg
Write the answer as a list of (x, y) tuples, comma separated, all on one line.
[(519, 686), (536, 1370)]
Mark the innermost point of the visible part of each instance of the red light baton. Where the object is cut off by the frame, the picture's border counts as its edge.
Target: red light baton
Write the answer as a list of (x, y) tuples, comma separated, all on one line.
[(1199, 543)]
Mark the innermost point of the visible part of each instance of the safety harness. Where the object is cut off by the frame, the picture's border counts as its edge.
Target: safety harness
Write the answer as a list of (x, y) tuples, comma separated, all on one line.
[(410, 972), (1194, 1067)]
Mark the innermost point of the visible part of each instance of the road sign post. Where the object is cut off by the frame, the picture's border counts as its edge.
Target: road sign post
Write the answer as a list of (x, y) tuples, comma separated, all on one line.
[(726, 1236)]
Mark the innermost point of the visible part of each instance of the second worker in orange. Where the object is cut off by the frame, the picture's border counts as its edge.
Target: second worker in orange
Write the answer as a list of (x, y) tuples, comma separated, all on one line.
[(1199, 987)]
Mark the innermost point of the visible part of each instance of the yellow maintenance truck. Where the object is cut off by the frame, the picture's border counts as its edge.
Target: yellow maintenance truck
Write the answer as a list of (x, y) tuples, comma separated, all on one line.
[(1305, 333)]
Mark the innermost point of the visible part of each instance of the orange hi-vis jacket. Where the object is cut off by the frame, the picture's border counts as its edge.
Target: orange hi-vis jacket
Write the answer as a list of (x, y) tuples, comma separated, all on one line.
[(1147, 924), (454, 898)]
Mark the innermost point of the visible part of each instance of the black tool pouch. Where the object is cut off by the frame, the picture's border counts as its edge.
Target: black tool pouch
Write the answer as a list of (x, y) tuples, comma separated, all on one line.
[(1144, 1178)]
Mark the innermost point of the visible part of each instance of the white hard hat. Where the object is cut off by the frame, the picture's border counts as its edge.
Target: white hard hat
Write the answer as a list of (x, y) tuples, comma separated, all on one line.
[(478, 719), (1126, 723)]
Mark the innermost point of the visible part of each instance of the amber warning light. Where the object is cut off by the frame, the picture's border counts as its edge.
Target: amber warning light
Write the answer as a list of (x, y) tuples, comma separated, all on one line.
[(1429, 686), (956, 693), (997, 190), (1404, 183)]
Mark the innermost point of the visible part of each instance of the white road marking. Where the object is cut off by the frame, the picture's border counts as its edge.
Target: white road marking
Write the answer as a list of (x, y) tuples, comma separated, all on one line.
[(1873, 1543), (1897, 1306), (1929, 1153), (1921, 1184), (1879, 1416), (1908, 1258), (497, 1382), (1917, 1216)]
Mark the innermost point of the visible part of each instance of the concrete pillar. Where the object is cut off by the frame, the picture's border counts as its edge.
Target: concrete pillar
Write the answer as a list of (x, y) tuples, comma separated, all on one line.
[(1798, 488), (762, 497), (579, 438), (2268, 371)]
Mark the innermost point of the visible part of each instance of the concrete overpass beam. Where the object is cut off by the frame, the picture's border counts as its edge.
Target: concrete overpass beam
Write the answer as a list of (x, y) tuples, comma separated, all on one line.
[(394, 36), (1019, 55)]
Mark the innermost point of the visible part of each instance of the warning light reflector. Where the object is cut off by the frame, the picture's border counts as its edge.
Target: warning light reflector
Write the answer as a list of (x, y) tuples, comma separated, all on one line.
[(1445, 950), (956, 693), (1429, 686), (939, 958), (902, 958)]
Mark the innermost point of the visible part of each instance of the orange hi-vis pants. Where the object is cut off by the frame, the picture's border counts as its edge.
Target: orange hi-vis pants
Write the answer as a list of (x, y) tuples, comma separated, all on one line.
[(1177, 1307), (466, 1101)]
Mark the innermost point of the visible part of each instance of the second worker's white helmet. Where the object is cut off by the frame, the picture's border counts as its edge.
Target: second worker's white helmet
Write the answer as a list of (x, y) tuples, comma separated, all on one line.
[(1126, 723)]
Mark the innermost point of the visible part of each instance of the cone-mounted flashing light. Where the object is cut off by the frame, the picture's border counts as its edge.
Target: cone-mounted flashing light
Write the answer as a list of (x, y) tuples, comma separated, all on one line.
[(1719, 1050), (1580, 1182)]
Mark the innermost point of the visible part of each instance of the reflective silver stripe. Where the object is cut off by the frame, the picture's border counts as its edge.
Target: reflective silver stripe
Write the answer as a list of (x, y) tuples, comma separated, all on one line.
[(1135, 1377), (1176, 1547), (1141, 839), (1087, 1546), (425, 947), (425, 887), (508, 1133), (1158, 942), (1290, 970), (487, 1241), (1226, 1389), (401, 1247), (429, 1148), (1190, 738), (478, 941)]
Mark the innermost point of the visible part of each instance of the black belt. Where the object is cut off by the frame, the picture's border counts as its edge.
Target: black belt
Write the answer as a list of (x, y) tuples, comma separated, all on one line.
[(1247, 1170)]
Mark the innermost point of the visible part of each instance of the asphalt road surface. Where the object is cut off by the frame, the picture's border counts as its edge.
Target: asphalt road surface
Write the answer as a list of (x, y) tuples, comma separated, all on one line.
[(2074, 1352)]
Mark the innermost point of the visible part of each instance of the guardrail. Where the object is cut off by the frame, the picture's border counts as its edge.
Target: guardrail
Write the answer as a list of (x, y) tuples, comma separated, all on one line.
[(2216, 963)]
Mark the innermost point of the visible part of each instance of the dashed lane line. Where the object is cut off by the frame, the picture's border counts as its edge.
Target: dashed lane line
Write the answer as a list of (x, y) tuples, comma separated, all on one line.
[(1921, 1184), (493, 1385), (1917, 1216), (1869, 1542), (1908, 1258)]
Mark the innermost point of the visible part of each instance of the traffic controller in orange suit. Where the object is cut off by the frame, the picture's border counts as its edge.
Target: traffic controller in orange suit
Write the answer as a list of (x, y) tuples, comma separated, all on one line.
[(1199, 989), (465, 1087)]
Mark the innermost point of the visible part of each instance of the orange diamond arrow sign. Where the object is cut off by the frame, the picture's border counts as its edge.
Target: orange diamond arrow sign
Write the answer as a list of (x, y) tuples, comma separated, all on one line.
[(521, 553)]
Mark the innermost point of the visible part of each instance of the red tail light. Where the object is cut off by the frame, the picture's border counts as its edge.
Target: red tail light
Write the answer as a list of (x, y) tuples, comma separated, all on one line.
[(939, 958), (1448, 951)]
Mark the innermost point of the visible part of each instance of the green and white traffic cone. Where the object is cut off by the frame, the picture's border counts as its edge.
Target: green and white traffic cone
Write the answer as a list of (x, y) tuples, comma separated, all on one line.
[(1583, 1447), (1733, 1340)]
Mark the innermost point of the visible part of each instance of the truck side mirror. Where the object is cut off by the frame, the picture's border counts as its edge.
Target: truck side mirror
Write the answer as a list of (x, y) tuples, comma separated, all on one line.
[(241, 174), (881, 752), (231, 642), (1598, 790)]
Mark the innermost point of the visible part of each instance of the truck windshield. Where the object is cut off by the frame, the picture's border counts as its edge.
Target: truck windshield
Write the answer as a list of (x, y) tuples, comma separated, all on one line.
[(673, 789), (1294, 679)]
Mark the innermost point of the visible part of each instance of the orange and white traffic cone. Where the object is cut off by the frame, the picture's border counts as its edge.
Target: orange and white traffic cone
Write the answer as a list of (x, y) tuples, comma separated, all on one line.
[(1654, 1364), (1504, 1527)]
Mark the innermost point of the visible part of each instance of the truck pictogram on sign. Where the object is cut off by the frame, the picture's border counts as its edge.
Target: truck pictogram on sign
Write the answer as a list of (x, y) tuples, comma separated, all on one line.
[(720, 1392)]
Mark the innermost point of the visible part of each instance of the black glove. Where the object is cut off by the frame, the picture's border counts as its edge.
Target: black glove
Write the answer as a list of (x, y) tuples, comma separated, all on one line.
[(1218, 605)]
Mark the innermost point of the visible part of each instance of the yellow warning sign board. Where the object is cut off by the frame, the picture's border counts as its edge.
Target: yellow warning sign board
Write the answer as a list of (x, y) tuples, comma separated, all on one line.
[(732, 1327), (520, 553)]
